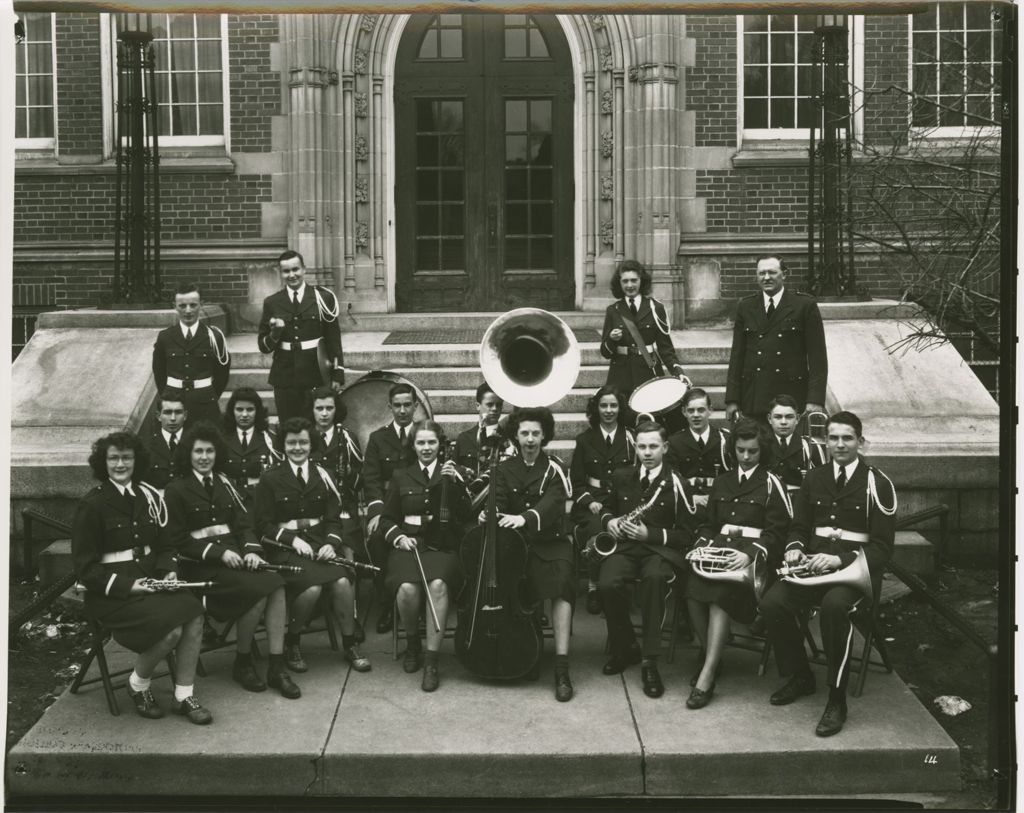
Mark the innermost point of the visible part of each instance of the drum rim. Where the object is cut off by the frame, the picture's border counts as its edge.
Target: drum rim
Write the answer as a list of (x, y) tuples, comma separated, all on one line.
[(661, 379)]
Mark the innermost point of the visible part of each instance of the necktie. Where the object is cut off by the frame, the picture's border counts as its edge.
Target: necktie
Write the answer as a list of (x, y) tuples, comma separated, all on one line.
[(771, 308), (245, 439), (295, 298), (172, 444), (323, 437), (701, 443), (208, 485), (645, 482), (608, 441), (632, 307), (188, 334), (129, 495), (401, 435), (426, 474), (841, 479), (299, 477)]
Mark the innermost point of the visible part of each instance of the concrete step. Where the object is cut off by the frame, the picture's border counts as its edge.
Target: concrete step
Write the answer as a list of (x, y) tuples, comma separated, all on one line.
[(468, 378), (375, 322), (389, 746)]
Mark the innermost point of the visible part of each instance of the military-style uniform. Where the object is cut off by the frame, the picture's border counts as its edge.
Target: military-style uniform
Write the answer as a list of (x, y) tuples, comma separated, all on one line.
[(340, 454), (285, 509), (245, 465), (203, 524), (670, 523), (116, 539), (627, 369), (412, 506), (793, 461), (199, 367), (751, 517), (699, 467), (860, 517), (295, 369), (538, 493), (162, 468), (590, 473), (385, 453), (783, 354)]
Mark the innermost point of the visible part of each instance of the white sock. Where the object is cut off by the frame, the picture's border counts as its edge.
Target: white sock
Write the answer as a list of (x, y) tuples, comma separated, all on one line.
[(138, 684), (181, 692)]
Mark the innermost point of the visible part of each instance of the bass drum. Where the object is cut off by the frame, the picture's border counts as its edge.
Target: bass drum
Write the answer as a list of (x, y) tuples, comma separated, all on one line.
[(660, 398), (366, 401)]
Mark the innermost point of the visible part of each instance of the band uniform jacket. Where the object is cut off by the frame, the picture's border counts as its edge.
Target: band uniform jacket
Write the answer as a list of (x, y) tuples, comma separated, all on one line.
[(412, 506), (107, 522), (698, 466), (782, 355), (384, 454), (866, 504), (315, 317), (538, 493), (161, 468), (279, 497), (245, 466), (670, 520), (190, 507), (343, 458), (203, 356), (592, 466), (759, 502), (628, 371), (800, 456)]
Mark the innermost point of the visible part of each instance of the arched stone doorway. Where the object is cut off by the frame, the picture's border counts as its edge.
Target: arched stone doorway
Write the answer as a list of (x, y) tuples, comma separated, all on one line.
[(484, 164)]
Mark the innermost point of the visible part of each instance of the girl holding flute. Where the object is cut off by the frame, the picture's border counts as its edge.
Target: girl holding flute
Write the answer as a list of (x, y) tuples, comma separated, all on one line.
[(425, 507)]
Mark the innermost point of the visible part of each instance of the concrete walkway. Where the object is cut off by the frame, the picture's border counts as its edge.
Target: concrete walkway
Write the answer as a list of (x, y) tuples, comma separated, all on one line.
[(379, 735)]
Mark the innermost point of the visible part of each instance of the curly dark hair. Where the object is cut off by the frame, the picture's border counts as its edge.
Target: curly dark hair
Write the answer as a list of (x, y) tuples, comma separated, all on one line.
[(294, 426), (118, 440), (594, 415), (541, 415), (340, 410), (631, 265), (201, 430), (749, 429), (249, 395)]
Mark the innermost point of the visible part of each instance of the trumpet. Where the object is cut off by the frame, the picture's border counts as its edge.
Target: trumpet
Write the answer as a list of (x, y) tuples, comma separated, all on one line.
[(856, 575), (604, 544), (341, 561), (169, 585), (714, 563)]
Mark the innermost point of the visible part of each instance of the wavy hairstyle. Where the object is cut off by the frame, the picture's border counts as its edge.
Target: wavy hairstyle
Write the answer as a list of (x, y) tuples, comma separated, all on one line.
[(340, 410), (594, 415), (249, 395), (749, 429), (631, 265), (118, 440), (201, 430), (541, 415)]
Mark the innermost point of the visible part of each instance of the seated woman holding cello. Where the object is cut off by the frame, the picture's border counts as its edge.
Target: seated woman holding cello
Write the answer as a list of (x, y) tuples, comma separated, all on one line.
[(425, 507), (747, 519), (530, 491)]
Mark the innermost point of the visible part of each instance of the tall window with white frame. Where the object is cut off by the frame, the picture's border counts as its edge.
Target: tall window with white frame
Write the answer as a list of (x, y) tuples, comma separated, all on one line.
[(34, 77), (190, 76), (776, 79), (955, 67)]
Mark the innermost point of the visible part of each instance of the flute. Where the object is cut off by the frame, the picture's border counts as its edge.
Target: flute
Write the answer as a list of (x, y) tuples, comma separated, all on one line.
[(168, 585), (262, 566), (341, 561)]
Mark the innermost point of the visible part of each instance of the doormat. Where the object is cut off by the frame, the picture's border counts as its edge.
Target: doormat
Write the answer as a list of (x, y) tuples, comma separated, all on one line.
[(472, 336)]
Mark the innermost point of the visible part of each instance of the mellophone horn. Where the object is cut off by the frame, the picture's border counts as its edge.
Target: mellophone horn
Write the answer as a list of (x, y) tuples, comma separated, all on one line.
[(856, 575), (715, 563)]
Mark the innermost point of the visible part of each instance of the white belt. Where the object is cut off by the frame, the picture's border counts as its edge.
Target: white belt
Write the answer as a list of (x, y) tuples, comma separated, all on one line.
[(188, 383), (252, 480), (633, 349), (417, 519), (210, 530), (741, 530), (593, 482), (298, 524), (344, 514), (792, 489), (309, 344), (836, 534), (123, 555)]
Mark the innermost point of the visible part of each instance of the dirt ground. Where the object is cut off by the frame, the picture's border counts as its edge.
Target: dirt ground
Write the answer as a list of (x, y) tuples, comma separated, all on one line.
[(931, 655)]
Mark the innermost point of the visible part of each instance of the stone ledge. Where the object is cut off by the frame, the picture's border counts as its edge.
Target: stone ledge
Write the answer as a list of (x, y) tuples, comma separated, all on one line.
[(128, 319)]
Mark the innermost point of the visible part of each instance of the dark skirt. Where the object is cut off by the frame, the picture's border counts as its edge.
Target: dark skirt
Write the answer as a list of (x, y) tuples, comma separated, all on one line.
[(437, 564), (139, 622), (737, 600), (313, 572), (235, 591), (550, 579)]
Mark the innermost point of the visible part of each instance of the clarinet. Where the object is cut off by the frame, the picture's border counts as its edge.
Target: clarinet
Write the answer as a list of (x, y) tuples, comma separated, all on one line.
[(170, 585), (265, 567)]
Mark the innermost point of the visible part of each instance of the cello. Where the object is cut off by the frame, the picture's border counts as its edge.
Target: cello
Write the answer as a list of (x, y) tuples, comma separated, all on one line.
[(529, 357)]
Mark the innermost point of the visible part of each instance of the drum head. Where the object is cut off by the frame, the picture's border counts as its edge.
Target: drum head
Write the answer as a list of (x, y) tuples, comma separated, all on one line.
[(367, 403), (657, 395)]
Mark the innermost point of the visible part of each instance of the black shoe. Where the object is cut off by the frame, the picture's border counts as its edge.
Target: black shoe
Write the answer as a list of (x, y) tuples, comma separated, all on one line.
[(832, 720), (593, 602), (244, 674), (293, 658), (412, 660), (617, 664), (145, 704), (358, 632), (431, 679), (386, 621), (698, 698), (189, 707), (282, 681), (797, 687), (563, 686), (356, 660), (696, 675), (653, 687)]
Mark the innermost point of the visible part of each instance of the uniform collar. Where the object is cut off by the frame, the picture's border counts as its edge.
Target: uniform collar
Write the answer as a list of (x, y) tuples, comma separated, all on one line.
[(167, 436), (186, 328), (200, 477), (431, 468), (850, 469), (745, 475), (777, 298), (705, 435), (122, 490), (301, 290), (304, 467), (652, 474), (609, 435)]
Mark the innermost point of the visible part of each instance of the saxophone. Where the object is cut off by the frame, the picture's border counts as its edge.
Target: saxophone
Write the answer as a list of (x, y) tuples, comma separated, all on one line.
[(604, 544)]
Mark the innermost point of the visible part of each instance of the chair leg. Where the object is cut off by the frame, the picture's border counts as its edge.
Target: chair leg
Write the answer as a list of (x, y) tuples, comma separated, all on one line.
[(394, 633), (805, 625), (108, 686), (332, 634), (865, 660), (677, 612), (766, 653), (95, 647)]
